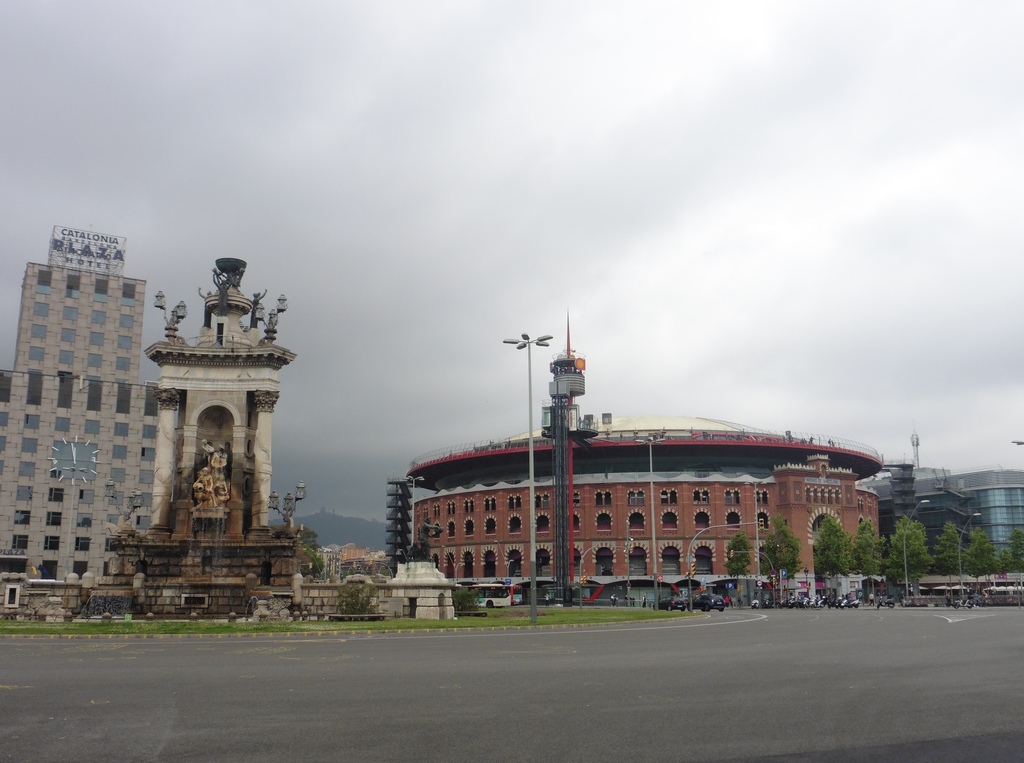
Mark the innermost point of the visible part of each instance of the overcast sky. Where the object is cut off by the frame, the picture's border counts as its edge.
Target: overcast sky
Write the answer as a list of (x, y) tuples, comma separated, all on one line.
[(799, 216)]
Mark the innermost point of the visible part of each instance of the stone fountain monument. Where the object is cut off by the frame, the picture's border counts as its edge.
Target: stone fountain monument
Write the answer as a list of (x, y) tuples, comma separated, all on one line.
[(210, 548)]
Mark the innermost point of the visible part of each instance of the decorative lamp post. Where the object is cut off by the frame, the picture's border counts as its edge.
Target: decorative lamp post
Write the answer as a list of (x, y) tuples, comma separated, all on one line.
[(132, 500), (171, 319), (526, 342), (288, 509)]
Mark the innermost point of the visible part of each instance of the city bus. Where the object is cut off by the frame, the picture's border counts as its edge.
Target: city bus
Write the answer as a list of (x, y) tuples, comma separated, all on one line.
[(497, 594)]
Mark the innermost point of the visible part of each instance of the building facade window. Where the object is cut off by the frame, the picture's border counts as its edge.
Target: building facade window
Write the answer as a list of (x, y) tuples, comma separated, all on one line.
[(34, 393), (51, 543), (124, 398), (22, 516), (54, 518), (82, 543), (19, 542)]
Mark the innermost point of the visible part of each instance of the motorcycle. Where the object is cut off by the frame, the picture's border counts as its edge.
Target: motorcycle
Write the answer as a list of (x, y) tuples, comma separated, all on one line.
[(886, 602)]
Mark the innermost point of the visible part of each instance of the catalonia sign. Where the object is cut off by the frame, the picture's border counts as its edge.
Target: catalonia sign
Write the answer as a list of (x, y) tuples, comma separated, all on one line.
[(86, 250)]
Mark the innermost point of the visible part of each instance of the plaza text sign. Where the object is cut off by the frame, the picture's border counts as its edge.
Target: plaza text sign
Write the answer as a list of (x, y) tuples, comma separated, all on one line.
[(86, 250)]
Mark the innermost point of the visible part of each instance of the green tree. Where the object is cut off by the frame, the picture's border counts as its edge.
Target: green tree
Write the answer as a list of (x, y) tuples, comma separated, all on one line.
[(464, 599), (980, 556), (946, 554), (781, 547), (1015, 557), (867, 550), (833, 549), (357, 599), (917, 562), (737, 553), (310, 560)]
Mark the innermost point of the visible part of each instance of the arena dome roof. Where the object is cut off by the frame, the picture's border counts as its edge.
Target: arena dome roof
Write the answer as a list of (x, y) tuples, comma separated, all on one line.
[(685, 443)]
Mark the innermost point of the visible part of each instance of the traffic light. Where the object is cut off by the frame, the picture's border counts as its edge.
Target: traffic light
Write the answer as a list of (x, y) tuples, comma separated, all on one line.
[(693, 569), (583, 580)]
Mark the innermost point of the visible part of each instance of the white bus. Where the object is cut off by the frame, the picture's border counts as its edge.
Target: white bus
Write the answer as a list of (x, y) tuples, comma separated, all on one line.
[(497, 594)]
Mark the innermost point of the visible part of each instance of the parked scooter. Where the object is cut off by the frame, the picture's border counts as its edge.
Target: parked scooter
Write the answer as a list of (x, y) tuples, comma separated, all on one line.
[(888, 601)]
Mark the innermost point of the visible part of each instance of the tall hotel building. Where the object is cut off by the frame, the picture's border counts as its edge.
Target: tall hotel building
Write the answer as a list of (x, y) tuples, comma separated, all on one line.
[(74, 381)]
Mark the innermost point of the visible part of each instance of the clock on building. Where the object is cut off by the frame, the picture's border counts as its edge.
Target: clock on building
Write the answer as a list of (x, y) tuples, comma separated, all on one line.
[(74, 460)]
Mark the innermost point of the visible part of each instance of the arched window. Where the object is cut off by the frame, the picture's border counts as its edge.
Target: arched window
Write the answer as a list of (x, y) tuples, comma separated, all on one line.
[(515, 525), (701, 520), (543, 523), (490, 526), (543, 563), (467, 564), (637, 561), (575, 523), (732, 519), (451, 529), (636, 521), (469, 527), (515, 564), (669, 521), (636, 497), (490, 565), (449, 565), (603, 498), (703, 559), (670, 561), (604, 559), (576, 498), (604, 521)]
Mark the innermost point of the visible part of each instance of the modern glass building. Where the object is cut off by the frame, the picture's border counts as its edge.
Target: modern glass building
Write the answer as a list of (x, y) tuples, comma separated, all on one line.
[(936, 496)]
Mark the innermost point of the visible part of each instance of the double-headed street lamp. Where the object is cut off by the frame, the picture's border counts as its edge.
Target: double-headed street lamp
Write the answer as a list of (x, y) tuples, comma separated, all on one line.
[(650, 440), (526, 342)]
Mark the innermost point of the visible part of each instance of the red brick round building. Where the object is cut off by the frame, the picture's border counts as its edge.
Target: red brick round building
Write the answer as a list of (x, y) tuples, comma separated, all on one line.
[(707, 475)]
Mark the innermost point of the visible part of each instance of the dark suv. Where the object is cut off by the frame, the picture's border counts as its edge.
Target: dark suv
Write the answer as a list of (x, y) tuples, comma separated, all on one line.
[(705, 602), (673, 602)]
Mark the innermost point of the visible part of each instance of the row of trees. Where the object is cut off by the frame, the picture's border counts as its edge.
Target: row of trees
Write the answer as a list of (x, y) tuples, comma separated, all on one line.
[(836, 552)]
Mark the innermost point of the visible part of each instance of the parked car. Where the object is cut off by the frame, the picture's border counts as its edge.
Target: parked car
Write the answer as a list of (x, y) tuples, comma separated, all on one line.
[(670, 603), (705, 602)]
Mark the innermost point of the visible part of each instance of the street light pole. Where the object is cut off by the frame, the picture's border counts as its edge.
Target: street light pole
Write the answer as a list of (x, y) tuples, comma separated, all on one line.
[(906, 529), (959, 558), (541, 341), (650, 440), (629, 550)]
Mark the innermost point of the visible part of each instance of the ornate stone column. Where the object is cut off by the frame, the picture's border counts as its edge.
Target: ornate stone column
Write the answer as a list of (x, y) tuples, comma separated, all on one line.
[(265, 402), (163, 471)]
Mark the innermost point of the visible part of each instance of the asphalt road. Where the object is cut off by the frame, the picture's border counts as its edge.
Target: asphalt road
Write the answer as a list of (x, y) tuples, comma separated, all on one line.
[(865, 685)]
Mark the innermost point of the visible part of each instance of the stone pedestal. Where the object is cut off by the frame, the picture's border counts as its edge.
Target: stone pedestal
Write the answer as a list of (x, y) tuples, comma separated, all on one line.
[(420, 591)]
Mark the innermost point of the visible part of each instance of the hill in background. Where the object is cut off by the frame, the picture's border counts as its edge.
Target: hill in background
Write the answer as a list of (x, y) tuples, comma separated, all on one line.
[(337, 529)]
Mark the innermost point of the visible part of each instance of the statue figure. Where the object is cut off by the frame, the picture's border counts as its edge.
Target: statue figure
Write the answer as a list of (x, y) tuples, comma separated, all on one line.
[(420, 550), (211, 488)]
